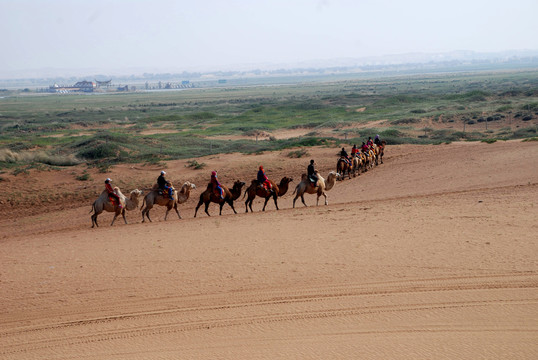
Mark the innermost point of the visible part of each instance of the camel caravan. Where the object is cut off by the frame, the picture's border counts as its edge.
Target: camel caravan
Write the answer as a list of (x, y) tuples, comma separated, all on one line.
[(164, 194)]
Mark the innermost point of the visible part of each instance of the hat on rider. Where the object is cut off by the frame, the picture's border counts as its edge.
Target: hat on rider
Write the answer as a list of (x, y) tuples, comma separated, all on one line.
[(213, 173), (261, 167), (163, 172), (108, 180)]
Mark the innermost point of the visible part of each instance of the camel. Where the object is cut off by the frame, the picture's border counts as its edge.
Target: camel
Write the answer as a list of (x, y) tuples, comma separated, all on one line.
[(320, 188), (184, 193), (371, 158), (154, 198), (380, 151), (230, 196), (342, 166), (103, 203), (254, 189), (357, 164), (368, 159)]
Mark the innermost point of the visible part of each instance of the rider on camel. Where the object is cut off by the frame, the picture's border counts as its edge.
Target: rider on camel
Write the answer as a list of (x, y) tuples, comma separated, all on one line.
[(216, 184), (111, 193), (263, 180), (345, 156), (312, 174), (354, 151), (370, 143), (364, 148), (165, 186), (377, 140)]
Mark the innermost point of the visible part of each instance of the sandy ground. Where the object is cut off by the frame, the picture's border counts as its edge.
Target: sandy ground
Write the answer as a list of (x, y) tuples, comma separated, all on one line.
[(432, 255)]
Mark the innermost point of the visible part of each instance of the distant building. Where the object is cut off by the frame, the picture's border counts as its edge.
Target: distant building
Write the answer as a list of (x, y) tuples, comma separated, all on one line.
[(85, 86), (81, 86)]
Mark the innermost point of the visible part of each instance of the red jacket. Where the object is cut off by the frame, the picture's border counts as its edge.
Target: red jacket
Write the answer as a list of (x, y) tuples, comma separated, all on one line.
[(109, 188)]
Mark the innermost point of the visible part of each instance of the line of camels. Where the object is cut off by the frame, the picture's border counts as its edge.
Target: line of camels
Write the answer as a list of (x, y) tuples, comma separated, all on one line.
[(360, 163)]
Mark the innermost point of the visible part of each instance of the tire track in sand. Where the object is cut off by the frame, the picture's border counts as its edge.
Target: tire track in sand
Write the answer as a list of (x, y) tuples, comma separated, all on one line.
[(245, 308)]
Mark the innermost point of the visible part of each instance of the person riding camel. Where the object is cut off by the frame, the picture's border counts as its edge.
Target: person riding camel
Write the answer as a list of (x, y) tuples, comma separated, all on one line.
[(111, 193), (345, 156), (377, 140), (312, 174), (354, 151), (263, 180), (217, 188), (370, 143), (165, 186), (364, 147)]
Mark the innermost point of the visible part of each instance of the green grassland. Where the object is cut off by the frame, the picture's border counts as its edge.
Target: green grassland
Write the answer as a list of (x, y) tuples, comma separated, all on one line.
[(104, 129)]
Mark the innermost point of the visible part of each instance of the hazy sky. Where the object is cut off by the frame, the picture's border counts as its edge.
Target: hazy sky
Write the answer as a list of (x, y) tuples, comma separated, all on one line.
[(159, 35)]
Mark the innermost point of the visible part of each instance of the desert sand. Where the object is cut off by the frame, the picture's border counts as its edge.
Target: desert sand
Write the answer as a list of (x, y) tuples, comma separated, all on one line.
[(431, 255)]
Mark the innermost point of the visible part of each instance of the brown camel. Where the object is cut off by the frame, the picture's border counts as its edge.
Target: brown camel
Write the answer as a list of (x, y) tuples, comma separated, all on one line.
[(154, 197), (255, 189), (342, 166), (209, 196), (320, 188), (103, 203)]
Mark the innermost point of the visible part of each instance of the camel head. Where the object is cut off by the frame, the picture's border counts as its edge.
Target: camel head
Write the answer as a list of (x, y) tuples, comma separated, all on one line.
[(187, 186), (238, 184), (286, 180), (136, 193)]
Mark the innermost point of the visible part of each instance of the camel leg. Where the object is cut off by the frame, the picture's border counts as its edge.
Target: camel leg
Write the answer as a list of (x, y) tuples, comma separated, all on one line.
[(146, 213), (231, 203), (207, 207), (166, 213), (94, 220), (246, 205), (302, 199), (319, 195), (115, 216), (94, 216), (177, 211), (197, 206), (275, 199), (265, 203), (123, 215)]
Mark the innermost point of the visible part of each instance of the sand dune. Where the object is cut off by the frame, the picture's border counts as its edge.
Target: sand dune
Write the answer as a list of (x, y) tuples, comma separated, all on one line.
[(432, 255)]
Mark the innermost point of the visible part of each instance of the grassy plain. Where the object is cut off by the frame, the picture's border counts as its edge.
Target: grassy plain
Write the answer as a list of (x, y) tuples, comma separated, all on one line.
[(109, 128)]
